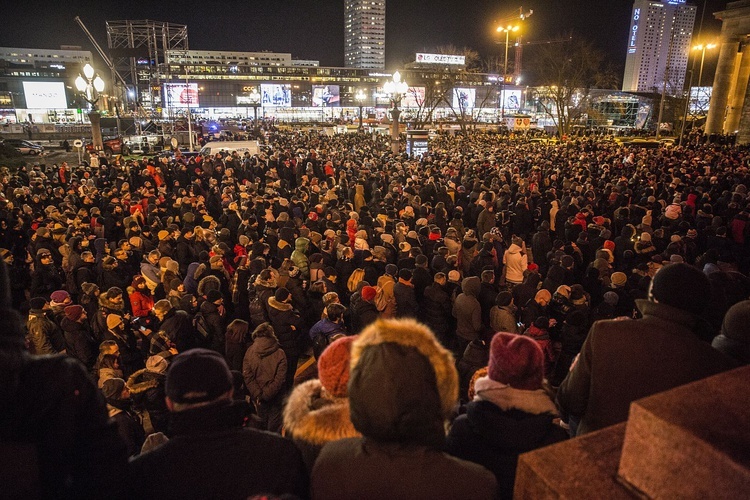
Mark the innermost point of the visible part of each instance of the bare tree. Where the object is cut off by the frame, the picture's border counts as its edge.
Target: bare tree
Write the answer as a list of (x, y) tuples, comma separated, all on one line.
[(565, 73)]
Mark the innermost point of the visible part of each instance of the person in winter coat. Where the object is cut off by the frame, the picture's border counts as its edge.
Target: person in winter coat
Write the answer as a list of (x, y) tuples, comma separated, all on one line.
[(150, 270), (515, 261), (287, 325), (468, 312), (436, 309), (147, 390), (359, 197), (386, 283), (328, 329), (572, 335), (535, 308), (79, 340), (539, 333), (317, 411), (264, 370), (364, 310), (141, 299), (176, 325), (47, 277), (511, 414), (212, 311), (503, 314), (406, 299), (209, 454), (619, 355), (120, 407), (734, 339), (402, 386), (118, 331), (236, 343), (43, 335), (299, 256)]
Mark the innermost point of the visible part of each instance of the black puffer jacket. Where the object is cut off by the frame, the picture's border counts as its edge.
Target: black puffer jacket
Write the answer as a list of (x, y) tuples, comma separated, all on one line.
[(147, 391), (287, 324)]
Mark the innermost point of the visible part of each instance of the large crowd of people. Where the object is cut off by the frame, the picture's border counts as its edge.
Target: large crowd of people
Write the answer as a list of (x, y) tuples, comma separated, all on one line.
[(329, 320)]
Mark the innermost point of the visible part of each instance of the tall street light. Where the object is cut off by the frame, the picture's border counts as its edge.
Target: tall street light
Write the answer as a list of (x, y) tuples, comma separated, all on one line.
[(360, 98), (703, 48), (90, 87), (396, 89), (507, 30), (255, 102)]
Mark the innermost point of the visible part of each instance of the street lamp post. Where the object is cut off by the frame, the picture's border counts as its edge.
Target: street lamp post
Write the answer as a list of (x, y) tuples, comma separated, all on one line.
[(360, 98), (396, 89), (703, 48), (255, 102), (507, 30), (90, 88)]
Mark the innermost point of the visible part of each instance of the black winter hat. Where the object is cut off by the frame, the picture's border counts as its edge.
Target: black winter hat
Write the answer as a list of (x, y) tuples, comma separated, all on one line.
[(682, 286), (282, 294), (503, 298), (213, 296), (37, 302), (198, 376)]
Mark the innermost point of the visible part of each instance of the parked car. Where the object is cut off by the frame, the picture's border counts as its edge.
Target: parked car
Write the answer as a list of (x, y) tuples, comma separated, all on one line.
[(24, 147), (112, 146)]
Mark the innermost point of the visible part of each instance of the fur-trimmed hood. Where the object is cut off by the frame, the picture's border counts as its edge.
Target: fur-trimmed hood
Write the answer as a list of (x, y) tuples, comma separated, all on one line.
[(143, 380), (313, 416), (207, 284), (403, 383), (104, 302), (280, 306), (507, 398)]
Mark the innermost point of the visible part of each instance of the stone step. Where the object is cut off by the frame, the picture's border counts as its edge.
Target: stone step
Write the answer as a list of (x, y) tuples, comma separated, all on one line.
[(582, 468), (692, 441)]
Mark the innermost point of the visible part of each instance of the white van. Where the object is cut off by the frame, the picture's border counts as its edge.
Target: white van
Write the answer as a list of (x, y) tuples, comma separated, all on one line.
[(242, 147)]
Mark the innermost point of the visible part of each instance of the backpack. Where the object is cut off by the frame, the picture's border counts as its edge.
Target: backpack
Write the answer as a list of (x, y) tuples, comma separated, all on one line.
[(356, 276), (381, 301), (257, 311), (321, 341), (201, 325)]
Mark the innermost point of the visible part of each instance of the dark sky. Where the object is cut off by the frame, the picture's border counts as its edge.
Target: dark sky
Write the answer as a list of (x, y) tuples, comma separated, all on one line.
[(313, 29)]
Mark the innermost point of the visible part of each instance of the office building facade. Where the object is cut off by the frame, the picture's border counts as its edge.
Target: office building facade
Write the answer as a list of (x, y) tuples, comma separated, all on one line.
[(364, 34), (658, 46)]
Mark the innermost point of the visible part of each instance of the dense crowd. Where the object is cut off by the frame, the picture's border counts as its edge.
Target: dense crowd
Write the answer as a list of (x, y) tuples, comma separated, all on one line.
[(409, 326)]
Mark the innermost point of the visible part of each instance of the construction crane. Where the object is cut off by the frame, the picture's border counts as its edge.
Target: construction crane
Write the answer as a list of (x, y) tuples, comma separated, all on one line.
[(115, 73)]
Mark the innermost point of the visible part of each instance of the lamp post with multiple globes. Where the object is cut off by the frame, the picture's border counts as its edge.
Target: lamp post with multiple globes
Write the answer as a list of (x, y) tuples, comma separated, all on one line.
[(90, 86), (396, 89), (360, 98)]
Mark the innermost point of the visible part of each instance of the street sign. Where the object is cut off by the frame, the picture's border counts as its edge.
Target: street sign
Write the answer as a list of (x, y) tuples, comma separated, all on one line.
[(78, 143)]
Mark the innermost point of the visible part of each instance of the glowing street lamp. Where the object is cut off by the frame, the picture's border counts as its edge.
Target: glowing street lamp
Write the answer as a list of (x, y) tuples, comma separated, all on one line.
[(396, 89), (90, 89), (507, 30), (360, 98), (255, 102), (703, 48)]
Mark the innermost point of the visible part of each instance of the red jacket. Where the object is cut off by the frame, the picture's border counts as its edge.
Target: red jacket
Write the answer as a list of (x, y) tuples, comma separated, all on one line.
[(141, 304)]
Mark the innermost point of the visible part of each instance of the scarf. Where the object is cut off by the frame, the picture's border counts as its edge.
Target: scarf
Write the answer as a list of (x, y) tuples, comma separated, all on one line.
[(507, 398)]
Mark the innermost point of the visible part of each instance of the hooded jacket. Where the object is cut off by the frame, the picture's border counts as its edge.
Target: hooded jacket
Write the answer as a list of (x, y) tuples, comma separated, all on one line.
[(402, 386), (312, 418), (264, 368), (468, 311), (299, 256), (515, 264)]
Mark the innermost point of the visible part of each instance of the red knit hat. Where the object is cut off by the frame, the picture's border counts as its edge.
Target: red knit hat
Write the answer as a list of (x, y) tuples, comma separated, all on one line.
[(333, 366), (73, 312), (369, 292), (516, 361), (609, 245)]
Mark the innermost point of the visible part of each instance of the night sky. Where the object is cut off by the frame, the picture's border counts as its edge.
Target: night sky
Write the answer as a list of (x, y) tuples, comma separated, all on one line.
[(313, 29)]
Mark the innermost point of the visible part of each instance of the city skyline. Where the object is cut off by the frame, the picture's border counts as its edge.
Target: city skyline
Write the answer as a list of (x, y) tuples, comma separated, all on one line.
[(289, 26)]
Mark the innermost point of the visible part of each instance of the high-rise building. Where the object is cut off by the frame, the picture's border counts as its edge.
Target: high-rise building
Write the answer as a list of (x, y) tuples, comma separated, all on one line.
[(658, 46), (364, 24)]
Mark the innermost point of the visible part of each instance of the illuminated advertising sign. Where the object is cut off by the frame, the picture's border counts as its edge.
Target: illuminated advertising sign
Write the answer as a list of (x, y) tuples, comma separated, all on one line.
[(181, 95), (414, 98), (276, 95), (324, 96), (510, 100), (464, 98), (441, 59), (634, 30), (45, 95)]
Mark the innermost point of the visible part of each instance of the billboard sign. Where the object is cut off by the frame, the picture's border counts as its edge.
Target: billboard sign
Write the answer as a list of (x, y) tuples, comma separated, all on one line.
[(464, 98), (440, 59), (414, 97), (276, 95), (510, 99), (45, 95), (181, 95), (324, 96)]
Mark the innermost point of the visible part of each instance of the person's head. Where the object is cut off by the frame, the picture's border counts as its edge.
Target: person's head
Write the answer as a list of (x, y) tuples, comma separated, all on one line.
[(405, 275), (197, 378), (215, 297), (109, 347), (331, 298), (44, 256), (115, 323), (504, 299), (161, 308), (115, 389), (154, 256), (75, 313), (39, 304), (488, 276), (516, 361), (139, 283), (282, 295), (440, 278), (335, 312), (543, 297), (87, 257), (681, 286), (264, 330), (238, 329), (333, 367), (368, 293), (734, 339), (402, 384)]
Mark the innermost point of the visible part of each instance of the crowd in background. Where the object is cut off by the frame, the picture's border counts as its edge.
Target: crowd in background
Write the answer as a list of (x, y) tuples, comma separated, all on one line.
[(356, 301)]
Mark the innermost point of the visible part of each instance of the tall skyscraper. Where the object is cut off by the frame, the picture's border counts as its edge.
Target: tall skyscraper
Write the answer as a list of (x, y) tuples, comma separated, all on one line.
[(659, 40), (364, 44)]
